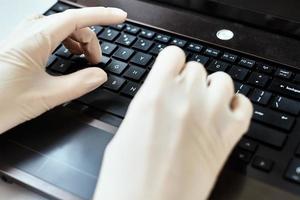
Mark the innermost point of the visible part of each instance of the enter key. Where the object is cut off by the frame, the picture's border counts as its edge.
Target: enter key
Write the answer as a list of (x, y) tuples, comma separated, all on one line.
[(273, 118)]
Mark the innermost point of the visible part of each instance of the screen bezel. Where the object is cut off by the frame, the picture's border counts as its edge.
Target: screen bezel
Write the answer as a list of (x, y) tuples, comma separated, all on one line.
[(270, 22)]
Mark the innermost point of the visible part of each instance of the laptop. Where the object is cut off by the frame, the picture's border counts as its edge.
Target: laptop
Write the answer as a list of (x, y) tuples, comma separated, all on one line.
[(59, 154)]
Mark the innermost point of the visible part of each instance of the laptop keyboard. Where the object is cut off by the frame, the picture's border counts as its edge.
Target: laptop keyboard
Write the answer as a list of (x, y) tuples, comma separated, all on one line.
[(129, 51)]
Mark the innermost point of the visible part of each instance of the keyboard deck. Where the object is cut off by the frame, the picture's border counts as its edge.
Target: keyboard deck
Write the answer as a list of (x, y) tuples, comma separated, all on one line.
[(269, 149)]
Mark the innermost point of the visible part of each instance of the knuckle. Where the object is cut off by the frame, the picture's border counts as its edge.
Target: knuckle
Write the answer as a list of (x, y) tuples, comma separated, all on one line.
[(246, 104), (174, 50), (87, 35), (243, 119), (194, 72), (245, 113), (198, 67), (71, 15), (44, 38), (226, 81), (225, 77), (92, 33)]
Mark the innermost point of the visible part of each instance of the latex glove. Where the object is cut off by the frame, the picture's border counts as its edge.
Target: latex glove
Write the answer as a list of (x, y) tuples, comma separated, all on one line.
[(26, 89), (177, 135)]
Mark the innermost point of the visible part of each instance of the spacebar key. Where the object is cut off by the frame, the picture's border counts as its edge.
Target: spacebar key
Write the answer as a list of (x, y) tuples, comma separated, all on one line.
[(107, 101), (266, 135)]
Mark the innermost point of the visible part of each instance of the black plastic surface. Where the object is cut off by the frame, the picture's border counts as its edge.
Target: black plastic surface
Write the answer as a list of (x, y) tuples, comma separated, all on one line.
[(59, 149)]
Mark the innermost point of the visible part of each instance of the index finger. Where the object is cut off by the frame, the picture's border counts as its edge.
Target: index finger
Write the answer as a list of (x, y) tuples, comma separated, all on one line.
[(61, 25)]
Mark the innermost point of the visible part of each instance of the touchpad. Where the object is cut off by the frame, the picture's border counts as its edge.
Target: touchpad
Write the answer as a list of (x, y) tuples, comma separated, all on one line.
[(59, 149)]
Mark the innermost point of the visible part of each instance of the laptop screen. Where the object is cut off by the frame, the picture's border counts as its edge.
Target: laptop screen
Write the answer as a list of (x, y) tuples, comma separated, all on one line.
[(276, 15)]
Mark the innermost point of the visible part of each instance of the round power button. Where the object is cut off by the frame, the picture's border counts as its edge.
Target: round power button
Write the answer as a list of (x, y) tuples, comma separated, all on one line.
[(225, 34)]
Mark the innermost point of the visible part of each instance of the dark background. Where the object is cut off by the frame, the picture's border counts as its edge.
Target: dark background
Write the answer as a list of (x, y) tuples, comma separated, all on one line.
[(282, 16)]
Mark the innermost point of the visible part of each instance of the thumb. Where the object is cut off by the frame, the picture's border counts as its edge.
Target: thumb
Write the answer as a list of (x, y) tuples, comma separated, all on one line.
[(62, 89)]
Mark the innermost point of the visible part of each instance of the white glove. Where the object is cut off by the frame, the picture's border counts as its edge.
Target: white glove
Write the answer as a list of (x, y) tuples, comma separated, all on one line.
[(26, 89), (178, 132)]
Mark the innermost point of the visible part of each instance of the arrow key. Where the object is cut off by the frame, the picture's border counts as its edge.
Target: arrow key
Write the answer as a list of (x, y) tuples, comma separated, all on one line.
[(262, 163), (293, 171)]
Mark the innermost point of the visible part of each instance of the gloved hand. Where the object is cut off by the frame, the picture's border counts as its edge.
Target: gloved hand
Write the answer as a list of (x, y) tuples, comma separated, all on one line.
[(26, 89), (178, 132)]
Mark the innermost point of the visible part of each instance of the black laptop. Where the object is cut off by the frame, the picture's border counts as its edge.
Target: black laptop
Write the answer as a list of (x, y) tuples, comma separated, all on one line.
[(256, 42)]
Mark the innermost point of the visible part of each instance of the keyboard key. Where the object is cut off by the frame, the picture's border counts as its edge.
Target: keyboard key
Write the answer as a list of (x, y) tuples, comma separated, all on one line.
[(282, 73), (286, 105), (114, 83), (61, 66), (63, 52), (275, 119), (60, 7), (80, 60), (217, 65), (238, 73), (109, 34), (130, 89), (285, 88), (50, 12), (96, 29), (265, 68), (258, 79), (267, 135), (212, 52), (248, 144), (229, 57), (200, 59), (108, 48), (242, 88), (106, 101), (51, 60), (178, 42), (147, 34), (163, 38), (123, 53), (293, 171), (132, 29), (143, 44), (247, 63), (262, 163), (116, 67), (118, 27), (242, 155), (141, 59), (260, 97), (126, 39), (195, 47), (157, 48), (135, 73), (104, 61)]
